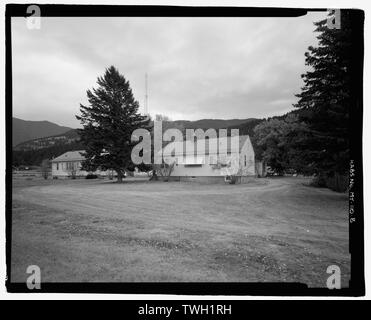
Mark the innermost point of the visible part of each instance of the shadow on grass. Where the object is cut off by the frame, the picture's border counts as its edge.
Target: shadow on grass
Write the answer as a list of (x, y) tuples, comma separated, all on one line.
[(127, 181)]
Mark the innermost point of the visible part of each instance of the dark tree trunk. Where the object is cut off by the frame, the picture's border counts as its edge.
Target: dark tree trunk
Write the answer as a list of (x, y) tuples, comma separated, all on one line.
[(119, 176)]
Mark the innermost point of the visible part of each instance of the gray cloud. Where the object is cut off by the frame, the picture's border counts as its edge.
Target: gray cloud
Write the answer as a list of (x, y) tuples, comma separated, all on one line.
[(198, 67)]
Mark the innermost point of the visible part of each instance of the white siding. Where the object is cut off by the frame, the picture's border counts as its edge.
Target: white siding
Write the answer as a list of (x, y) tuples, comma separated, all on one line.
[(247, 152), (60, 169)]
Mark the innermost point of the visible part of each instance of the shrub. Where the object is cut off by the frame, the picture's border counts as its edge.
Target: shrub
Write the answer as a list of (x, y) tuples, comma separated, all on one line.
[(337, 182), (233, 180), (45, 168), (91, 176), (319, 181)]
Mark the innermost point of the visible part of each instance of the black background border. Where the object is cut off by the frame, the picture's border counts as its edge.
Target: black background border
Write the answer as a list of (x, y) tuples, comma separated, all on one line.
[(356, 229)]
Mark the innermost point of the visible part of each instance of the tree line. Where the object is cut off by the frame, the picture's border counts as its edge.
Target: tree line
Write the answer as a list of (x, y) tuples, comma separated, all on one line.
[(35, 157)]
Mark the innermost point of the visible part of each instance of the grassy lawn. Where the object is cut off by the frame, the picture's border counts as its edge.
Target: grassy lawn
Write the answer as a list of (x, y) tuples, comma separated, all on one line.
[(97, 230)]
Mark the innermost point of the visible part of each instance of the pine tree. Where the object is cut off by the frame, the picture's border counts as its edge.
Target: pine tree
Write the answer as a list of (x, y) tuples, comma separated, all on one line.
[(324, 102), (108, 124)]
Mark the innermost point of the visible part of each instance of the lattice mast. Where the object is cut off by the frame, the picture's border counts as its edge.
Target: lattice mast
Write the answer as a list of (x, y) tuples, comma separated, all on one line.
[(146, 95)]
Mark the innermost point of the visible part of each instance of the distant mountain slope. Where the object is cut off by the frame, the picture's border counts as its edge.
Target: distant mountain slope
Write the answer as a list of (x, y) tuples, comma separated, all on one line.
[(247, 128), (210, 123), (26, 130), (72, 136), (66, 138)]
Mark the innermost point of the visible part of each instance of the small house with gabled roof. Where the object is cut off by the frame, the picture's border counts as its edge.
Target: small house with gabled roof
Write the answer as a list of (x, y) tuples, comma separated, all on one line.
[(218, 160), (69, 165)]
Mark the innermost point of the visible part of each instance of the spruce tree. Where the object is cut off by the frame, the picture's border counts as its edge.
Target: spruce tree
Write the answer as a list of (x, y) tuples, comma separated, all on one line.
[(108, 123), (325, 100)]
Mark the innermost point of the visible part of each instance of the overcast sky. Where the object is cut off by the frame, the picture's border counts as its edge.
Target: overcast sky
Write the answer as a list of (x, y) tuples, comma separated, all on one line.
[(197, 67)]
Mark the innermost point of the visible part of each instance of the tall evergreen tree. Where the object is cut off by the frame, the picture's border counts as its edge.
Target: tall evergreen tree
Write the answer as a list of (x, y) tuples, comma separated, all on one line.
[(108, 124), (324, 102)]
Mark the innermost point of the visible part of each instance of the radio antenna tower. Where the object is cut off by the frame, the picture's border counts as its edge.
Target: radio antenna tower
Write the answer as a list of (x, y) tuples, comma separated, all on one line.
[(146, 95)]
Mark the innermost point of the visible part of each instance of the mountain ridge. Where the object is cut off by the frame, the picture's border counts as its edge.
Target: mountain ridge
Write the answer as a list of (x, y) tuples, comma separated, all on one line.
[(24, 130), (70, 134)]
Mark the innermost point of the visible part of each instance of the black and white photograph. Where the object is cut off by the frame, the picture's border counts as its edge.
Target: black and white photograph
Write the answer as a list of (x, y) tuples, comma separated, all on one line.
[(184, 149)]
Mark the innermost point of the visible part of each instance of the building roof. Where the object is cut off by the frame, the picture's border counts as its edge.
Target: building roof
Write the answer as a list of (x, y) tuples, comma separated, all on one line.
[(211, 145), (70, 156)]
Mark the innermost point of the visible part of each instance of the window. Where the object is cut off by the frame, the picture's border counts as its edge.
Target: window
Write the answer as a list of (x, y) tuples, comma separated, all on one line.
[(70, 166), (57, 166), (245, 160)]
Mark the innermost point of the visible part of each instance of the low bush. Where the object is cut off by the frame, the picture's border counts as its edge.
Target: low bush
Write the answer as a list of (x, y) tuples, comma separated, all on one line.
[(337, 182), (91, 176)]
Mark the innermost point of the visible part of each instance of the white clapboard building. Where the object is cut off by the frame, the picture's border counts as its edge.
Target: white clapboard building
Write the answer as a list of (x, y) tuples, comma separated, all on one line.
[(209, 163), (69, 165)]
